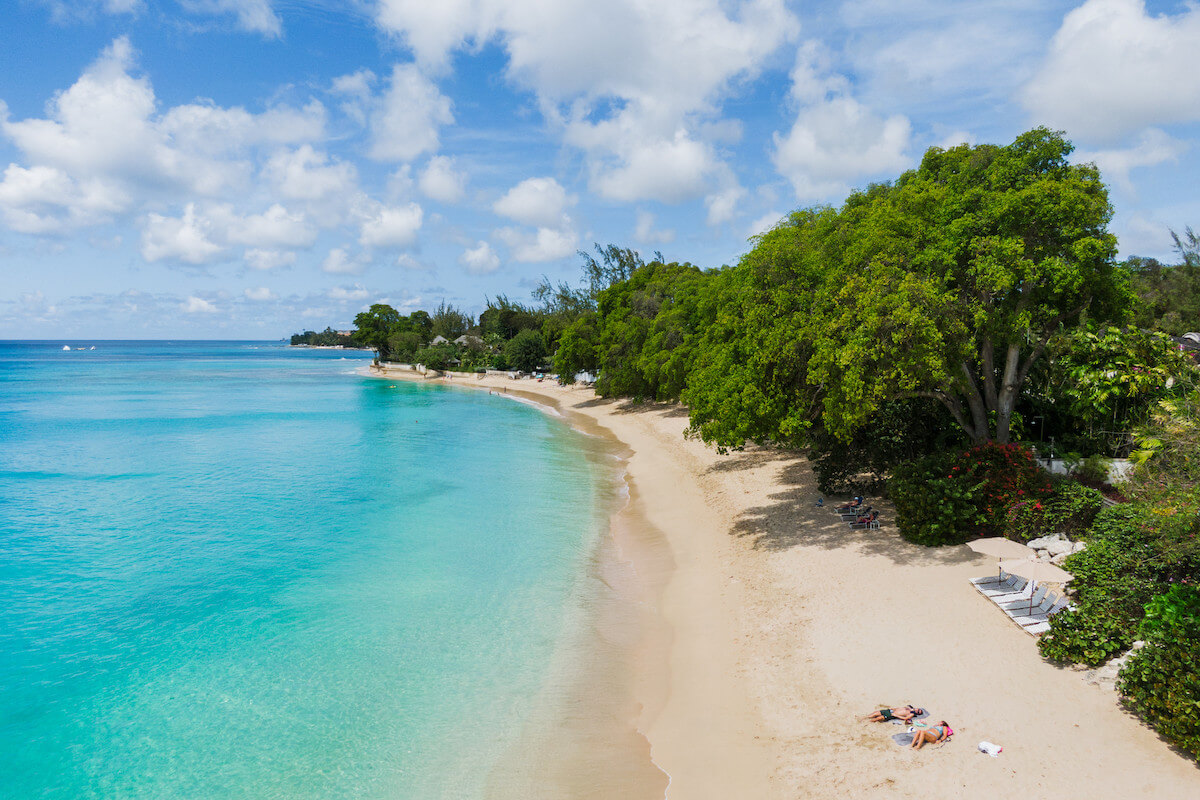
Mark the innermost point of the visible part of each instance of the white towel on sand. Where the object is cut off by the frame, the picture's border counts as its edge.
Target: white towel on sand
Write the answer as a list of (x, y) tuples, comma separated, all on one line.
[(992, 750)]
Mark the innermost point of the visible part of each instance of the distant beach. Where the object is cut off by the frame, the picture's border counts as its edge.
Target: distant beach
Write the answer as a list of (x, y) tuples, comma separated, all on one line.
[(781, 627)]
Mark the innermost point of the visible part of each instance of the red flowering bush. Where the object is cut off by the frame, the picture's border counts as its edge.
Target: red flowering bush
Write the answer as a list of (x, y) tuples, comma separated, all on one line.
[(1069, 510), (948, 498), (1006, 474)]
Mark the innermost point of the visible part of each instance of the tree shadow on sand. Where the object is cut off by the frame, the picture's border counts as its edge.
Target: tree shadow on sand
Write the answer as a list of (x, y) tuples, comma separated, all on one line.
[(623, 405), (790, 518)]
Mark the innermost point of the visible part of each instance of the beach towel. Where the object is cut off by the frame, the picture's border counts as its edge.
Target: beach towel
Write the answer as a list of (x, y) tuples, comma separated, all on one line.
[(903, 739)]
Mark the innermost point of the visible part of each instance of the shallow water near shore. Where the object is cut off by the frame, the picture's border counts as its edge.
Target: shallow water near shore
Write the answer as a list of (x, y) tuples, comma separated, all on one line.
[(237, 569)]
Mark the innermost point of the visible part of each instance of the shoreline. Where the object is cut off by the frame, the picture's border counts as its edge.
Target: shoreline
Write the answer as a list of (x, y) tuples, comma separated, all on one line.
[(785, 628)]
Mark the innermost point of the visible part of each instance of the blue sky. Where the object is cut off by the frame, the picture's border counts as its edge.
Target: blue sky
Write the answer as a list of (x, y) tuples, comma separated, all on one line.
[(250, 168)]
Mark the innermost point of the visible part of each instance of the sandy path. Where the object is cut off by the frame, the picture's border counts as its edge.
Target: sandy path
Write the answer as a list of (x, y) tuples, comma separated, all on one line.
[(787, 626)]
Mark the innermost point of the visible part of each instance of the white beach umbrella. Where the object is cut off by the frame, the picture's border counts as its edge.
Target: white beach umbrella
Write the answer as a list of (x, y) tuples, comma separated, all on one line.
[(1041, 571), (1001, 548)]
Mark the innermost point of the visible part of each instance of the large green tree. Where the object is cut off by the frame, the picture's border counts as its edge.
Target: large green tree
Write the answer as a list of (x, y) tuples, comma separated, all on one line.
[(750, 375), (953, 280), (647, 331), (946, 284), (374, 326), (526, 351)]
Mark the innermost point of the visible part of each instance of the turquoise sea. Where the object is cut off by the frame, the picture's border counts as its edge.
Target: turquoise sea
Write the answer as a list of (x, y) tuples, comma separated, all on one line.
[(241, 570)]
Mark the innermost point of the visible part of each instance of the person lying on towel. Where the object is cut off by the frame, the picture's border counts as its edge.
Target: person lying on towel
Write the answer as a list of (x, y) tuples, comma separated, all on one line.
[(931, 735), (905, 713)]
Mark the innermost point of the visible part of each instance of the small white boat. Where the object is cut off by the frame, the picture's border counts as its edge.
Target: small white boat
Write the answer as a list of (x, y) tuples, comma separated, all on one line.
[(66, 347)]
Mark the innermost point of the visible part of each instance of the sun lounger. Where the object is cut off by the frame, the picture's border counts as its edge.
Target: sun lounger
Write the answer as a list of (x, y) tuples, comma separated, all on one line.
[(853, 506), (1016, 606), (993, 581), (1021, 596), (1013, 586), (1042, 614), (867, 521)]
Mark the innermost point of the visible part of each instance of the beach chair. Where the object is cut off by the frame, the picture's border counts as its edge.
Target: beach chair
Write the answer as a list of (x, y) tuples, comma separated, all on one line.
[(1020, 596), (865, 522), (1029, 605), (1004, 582), (852, 516), (1041, 619), (1010, 584), (853, 505), (1021, 591), (990, 580)]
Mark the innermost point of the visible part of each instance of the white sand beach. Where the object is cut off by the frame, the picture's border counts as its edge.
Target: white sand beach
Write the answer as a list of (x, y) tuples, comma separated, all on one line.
[(785, 627)]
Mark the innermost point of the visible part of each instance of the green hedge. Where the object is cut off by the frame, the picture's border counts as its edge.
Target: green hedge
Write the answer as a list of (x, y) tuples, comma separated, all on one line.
[(1134, 553), (933, 505), (1161, 681)]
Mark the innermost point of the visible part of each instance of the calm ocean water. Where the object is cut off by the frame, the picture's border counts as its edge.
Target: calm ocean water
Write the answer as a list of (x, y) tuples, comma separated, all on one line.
[(238, 570)]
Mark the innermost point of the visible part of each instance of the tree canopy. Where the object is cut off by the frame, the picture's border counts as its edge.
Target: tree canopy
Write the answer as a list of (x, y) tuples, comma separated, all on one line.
[(947, 284)]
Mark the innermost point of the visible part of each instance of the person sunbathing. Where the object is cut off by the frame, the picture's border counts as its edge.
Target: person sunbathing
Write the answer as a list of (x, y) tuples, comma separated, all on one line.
[(931, 735), (905, 713)]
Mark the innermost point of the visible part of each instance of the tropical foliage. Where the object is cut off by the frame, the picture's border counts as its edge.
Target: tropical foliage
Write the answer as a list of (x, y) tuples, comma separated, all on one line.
[(1097, 384), (1161, 681)]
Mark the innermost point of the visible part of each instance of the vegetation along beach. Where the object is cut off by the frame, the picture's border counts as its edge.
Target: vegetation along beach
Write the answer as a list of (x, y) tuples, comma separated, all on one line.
[(678, 400)]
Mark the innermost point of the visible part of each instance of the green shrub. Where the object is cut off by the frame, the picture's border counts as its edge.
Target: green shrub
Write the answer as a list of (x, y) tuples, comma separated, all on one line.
[(434, 357), (1094, 469), (934, 505), (1090, 635), (1162, 680)]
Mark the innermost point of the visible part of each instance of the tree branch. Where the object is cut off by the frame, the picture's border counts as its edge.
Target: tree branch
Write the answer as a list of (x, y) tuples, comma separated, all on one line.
[(1023, 372), (988, 356), (975, 403), (952, 404)]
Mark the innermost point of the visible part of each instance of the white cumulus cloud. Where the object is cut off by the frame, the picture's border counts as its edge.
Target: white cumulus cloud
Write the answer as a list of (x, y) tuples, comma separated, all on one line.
[(308, 174), (391, 226), (407, 117), (339, 262), (257, 258), (544, 244), (260, 294), (535, 201), (198, 305), (1113, 69), (1152, 147), (183, 238), (480, 259), (629, 82), (442, 182), (836, 141), (355, 292), (275, 228)]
